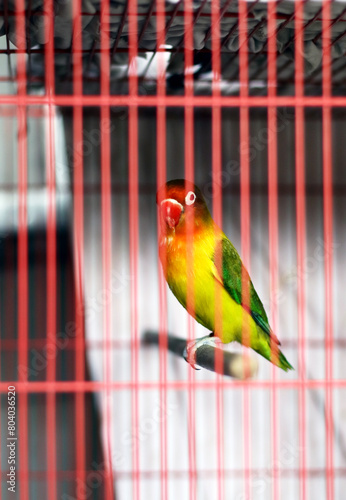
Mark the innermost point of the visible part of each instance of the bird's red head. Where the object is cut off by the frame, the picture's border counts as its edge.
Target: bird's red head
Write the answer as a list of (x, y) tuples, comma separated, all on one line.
[(178, 198)]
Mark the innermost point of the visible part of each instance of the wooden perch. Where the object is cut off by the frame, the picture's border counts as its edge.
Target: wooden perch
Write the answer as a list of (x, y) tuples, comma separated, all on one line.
[(233, 364)]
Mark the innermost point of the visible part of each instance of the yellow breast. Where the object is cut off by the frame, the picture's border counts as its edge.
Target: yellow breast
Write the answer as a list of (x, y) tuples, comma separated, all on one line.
[(191, 279)]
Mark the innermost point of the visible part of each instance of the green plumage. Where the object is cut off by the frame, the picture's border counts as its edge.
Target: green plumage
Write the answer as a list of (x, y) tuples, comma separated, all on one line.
[(233, 273)]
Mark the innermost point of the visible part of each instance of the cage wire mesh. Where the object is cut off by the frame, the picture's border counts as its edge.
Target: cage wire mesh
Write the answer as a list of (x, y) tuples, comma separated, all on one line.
[(100, 104)]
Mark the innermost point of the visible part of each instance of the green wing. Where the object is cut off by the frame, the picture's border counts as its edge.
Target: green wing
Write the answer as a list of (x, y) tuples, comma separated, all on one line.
[(231, 273)]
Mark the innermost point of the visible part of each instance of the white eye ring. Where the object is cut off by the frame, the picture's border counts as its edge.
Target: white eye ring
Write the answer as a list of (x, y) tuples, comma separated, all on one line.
[(190, 198)]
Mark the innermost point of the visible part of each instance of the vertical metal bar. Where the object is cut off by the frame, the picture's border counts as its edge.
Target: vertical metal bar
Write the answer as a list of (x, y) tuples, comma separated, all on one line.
[(301, 238), (328, 241), (161, 180), (273, 228), (22, 251), (51, 251), (133, 236), (245, 220), (217, 215), (78, 240), (189, 176), (106, 215)]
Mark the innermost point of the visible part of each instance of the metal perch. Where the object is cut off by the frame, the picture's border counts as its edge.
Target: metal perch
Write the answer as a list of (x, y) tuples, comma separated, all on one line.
[(206, 356)]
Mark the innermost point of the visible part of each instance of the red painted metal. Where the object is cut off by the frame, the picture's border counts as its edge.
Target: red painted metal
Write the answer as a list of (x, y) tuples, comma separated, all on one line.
[(328, 241), (134, 235), (78, 245), (301, 240), (189, 158), (245, 228), (106, 246), (217, 215), (22, 258), (51, 256), (176, 101), (273, 219), (91, 386), (161, 177)]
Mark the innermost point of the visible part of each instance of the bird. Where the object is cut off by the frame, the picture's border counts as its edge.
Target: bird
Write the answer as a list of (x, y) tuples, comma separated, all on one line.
[(214, 272)]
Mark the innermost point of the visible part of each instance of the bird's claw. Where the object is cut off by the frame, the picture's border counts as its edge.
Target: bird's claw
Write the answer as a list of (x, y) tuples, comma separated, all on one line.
[(189, 354), (190, 358), (192, 346)]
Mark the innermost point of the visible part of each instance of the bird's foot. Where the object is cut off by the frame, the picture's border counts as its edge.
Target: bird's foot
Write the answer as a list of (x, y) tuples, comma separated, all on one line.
[(193, 345)]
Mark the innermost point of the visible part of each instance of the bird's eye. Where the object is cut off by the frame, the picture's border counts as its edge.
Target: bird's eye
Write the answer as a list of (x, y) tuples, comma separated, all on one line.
[(190, 198)]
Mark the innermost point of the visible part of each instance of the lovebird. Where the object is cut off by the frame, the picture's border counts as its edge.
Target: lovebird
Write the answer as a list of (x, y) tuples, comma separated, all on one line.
[(216, 273)]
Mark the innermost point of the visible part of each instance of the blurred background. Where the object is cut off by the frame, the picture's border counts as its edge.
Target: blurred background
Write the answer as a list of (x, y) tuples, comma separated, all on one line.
[(147, 434)]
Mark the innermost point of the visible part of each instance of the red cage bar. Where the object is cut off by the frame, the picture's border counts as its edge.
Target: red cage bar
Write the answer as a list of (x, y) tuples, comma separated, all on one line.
[(189, 173), (328, 238), (134, 235), (217, 215), (301, 232), (106, 243), (245, 223), (161, 178), (273, 218), (22, 254), (78, 246), (51, 256)]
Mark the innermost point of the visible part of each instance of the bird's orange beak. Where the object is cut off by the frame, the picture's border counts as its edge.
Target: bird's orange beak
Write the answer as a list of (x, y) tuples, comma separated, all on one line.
[(171, 211)]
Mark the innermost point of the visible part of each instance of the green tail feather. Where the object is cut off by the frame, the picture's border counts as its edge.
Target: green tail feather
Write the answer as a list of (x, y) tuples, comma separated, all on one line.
[(283, 363)]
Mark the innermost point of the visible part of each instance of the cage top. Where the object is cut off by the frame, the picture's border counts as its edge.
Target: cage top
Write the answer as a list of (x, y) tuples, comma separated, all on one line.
[(174, 19)]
